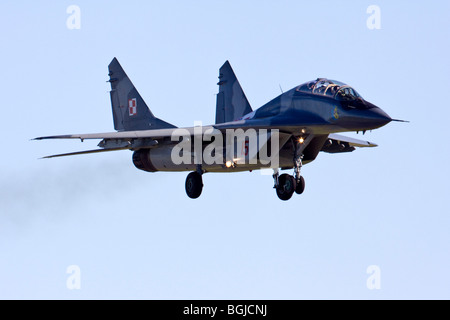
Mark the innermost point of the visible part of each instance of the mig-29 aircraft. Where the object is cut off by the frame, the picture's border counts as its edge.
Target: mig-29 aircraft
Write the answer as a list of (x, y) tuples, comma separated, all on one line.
[(302, 122)]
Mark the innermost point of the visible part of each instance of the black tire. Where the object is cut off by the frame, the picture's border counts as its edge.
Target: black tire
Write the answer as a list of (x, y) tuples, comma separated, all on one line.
[(286, 187), (300, 186), (194, 185)]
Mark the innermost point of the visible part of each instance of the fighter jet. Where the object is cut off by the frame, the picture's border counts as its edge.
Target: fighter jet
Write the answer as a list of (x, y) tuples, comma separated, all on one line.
[(293, 128)]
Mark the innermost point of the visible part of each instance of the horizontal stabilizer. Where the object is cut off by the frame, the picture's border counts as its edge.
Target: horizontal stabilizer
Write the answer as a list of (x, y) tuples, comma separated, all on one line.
[(139, 134), (84, 152)]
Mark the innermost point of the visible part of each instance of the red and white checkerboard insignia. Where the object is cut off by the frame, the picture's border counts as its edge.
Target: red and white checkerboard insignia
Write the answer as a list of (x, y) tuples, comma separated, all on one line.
[(132, 107)]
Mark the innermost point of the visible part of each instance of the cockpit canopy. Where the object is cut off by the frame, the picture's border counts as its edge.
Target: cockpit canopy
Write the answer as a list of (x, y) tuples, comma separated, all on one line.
[(330, 88)]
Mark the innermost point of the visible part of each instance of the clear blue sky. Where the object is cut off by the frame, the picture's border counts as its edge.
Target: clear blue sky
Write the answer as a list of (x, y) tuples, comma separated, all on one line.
[(137, 235)]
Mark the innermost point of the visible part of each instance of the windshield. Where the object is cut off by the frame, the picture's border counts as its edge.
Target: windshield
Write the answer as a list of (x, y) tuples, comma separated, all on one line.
[(330, 88), (347, 94)]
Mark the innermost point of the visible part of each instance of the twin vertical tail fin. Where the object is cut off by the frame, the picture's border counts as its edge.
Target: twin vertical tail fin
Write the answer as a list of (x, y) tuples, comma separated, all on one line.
[(130, 112), (232, 104)]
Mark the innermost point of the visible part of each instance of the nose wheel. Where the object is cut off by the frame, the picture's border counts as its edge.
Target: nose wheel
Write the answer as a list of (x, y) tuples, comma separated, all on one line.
[(286, 187), (300, 186)]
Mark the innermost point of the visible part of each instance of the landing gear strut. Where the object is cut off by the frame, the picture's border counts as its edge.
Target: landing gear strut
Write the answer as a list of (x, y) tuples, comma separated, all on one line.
[(298, 158), (194, 183), (299, 180)]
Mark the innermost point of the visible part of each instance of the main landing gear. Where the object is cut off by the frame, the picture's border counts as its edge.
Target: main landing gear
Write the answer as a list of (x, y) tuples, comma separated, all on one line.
[(194, 183)]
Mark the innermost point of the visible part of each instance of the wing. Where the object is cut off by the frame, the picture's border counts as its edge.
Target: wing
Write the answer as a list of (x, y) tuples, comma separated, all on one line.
[(130, 140), (338, 144)]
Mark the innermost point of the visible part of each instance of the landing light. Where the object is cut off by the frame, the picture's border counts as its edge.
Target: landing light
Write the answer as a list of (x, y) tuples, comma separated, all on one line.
[(231, 164), (301, 140)]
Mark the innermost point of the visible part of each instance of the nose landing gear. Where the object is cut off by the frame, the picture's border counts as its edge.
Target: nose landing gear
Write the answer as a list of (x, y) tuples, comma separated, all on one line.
[(285, 184), (286, 187)]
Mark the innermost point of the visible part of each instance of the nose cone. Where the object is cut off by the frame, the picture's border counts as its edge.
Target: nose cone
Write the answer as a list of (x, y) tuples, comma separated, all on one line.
[(379, 118), (375, 116)]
